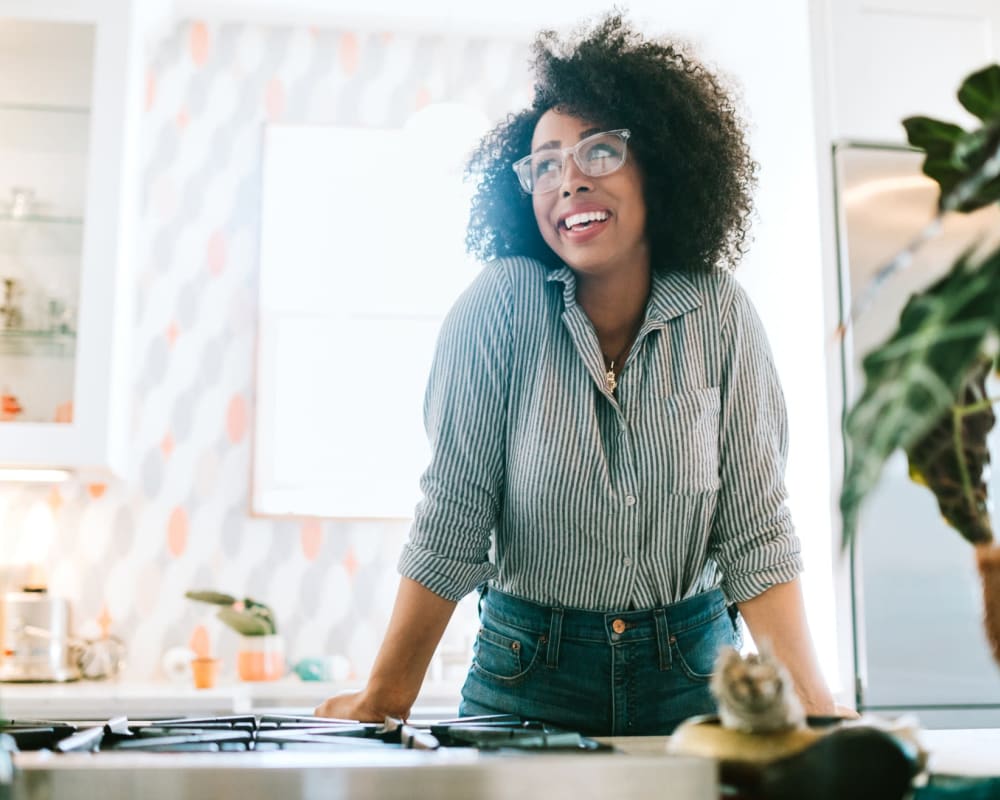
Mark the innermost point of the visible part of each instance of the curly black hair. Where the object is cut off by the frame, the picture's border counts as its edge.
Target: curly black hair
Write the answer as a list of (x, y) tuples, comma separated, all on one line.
[(687, 137)]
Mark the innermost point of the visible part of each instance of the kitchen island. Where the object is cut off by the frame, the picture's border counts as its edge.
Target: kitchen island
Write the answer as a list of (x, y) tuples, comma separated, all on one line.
[(636, 767)]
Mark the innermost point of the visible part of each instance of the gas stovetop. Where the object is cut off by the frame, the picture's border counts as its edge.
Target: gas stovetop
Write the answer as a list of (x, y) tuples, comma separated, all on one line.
[(242, 733), (301, 758)]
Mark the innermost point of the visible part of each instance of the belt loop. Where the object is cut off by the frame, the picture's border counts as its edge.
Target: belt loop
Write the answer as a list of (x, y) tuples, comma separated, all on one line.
[(663, 638), (555, 633)]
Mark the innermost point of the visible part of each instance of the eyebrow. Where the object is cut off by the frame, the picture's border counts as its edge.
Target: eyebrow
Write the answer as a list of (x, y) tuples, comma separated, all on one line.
[(553, 144)]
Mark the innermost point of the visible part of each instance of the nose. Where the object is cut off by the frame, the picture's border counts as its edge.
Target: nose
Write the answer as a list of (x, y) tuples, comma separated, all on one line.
[(573, 178)]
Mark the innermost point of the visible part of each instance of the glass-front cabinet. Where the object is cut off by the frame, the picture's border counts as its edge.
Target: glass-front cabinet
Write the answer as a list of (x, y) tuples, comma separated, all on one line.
[(69, 106)]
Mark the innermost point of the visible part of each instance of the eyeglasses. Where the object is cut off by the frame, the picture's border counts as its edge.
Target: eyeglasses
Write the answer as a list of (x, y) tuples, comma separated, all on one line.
[(600, 154)]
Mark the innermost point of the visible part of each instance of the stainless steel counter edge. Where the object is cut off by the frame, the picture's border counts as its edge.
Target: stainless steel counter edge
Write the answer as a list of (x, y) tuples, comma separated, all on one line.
[(446, 775)]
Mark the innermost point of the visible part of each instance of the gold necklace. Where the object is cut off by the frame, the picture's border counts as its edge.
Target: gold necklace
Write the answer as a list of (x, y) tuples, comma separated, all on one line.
[(610, 378)]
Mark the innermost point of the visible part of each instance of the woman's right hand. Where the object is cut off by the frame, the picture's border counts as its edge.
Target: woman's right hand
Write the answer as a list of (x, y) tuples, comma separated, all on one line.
[(356, 706)]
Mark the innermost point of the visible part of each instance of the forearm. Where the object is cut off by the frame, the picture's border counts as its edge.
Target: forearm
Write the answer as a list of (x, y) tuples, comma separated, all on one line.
[(419, 618), (778, 616)]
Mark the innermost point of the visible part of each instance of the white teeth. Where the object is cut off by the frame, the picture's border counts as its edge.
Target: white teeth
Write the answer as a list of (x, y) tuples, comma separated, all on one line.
[(588, 216)]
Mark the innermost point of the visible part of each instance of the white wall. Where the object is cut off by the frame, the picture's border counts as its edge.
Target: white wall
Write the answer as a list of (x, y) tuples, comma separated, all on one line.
[(783, 270)]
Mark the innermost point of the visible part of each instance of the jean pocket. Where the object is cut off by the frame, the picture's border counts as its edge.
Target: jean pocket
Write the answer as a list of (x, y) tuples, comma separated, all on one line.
[(697, 648), (691, 428), (506, 655)]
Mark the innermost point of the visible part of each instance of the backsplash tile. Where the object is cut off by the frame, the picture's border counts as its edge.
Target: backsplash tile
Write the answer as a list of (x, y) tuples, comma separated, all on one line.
[(130, 549)]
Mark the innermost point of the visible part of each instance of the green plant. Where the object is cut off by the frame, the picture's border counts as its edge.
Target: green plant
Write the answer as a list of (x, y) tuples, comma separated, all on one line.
[(925, 387), (245, 616)]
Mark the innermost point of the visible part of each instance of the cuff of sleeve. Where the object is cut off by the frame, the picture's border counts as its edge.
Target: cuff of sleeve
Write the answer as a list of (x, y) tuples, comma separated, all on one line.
[(446, 577), (739, 588)]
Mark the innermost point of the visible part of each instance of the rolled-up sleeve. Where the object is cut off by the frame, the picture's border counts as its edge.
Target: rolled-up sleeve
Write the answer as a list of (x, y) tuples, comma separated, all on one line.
[(465, 411), (753, 539)]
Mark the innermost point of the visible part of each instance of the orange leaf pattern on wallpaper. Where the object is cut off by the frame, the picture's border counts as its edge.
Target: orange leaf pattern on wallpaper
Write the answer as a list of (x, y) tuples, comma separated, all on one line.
[(350, 53), (200, 643), (177, 532), (350, 562), (96, 490), (311, 537), (173, 331), (150, 89), (198, 42), (167, 446), (236, 419), (274, 100), (216, 253)]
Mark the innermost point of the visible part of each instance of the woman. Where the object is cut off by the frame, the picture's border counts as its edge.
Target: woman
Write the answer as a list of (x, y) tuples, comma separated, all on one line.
[(604, 403)]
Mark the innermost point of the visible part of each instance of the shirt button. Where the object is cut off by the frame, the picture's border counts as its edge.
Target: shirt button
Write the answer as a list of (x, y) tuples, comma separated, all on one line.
[(630, 500), (627, 561), (619, 626)]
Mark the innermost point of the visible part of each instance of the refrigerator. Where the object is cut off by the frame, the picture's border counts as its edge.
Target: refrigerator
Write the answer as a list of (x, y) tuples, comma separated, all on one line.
[(919, 641)]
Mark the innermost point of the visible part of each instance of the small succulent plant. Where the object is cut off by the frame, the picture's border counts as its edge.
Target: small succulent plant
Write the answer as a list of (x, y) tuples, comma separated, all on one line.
[(246, 616)]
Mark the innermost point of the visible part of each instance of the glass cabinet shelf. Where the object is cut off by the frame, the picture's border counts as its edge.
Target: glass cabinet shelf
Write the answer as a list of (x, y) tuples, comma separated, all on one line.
[(44, 108), (42, 219), (37, 343)]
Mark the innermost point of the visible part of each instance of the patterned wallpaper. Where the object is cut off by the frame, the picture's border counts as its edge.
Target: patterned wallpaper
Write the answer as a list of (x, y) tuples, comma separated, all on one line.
[(130, 549)]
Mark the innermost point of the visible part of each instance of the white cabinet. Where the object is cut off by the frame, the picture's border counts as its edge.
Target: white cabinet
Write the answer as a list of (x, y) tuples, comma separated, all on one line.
[(70, 101), (890, 59)]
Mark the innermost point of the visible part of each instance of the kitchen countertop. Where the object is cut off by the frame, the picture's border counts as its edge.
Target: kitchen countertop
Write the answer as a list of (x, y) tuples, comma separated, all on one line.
[(100, 699), (642, 769)]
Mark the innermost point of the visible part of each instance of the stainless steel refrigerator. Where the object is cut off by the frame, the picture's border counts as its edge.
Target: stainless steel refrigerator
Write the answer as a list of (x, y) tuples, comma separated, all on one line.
[(919, 640)]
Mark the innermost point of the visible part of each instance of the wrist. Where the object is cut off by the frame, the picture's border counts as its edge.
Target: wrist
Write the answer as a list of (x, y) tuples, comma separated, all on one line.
[(388, 700)]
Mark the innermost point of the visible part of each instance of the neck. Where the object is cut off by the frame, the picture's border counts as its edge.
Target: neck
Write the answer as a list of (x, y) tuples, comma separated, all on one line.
[(615, 305)]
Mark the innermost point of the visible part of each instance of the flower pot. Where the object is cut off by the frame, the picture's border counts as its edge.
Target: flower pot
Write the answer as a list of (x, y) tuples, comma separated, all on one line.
[(205, 672), (261, 658), (988, 560)]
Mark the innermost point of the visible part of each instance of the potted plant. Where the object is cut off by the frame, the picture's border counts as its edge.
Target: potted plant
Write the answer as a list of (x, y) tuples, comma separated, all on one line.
[(261, 656), (926, 387)]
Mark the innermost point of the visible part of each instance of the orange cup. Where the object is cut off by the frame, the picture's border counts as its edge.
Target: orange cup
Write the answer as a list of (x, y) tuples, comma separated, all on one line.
[(205, 672)]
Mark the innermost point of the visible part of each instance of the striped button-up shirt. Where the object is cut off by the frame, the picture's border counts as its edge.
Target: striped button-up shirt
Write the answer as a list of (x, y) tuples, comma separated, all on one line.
[(669, 486)]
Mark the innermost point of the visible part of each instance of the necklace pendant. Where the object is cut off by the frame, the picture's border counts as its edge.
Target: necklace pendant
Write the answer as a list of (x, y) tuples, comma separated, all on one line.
[(609, 379)]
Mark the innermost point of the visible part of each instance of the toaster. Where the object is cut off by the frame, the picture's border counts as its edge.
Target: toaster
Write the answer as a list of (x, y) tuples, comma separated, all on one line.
[(35, 638)]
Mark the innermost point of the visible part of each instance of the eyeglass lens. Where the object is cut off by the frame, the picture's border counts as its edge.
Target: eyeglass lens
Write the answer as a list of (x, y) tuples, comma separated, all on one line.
[(596, 155)]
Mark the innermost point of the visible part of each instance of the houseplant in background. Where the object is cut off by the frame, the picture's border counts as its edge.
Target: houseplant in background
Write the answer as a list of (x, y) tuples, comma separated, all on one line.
[(261, 656), (928, 387)]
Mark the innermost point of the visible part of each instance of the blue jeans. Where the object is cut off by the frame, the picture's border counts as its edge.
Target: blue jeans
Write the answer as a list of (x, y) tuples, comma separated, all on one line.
[(602, 674)]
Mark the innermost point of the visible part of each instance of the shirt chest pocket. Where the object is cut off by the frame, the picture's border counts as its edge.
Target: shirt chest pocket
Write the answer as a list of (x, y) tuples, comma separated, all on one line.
[(690, 432)]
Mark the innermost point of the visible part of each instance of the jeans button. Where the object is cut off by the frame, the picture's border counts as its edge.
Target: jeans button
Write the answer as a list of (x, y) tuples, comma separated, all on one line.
[(619, 626)]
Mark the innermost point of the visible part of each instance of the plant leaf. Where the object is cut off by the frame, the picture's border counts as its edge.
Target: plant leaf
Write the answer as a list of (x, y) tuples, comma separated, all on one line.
[(980, 93), (914, 378), (958, 161), (243, 622), (960, 488), (934, 137), (216, 598)]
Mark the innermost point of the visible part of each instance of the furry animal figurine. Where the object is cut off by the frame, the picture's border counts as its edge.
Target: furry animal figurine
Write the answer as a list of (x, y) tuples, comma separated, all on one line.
[(755, 693)]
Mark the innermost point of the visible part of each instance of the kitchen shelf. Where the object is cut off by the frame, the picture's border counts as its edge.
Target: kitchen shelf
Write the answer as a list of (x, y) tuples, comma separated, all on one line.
[(42, 219), (41, 108), (37, 343)]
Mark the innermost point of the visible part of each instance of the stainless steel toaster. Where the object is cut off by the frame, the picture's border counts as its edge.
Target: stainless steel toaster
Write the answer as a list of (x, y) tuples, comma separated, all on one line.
[(35, 638)]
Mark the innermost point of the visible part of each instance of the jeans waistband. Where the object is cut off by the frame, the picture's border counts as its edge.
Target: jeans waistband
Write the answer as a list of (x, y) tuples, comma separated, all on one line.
[(610, 626)]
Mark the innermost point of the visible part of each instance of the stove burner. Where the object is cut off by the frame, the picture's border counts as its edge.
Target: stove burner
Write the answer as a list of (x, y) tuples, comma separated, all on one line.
[(281, 732)]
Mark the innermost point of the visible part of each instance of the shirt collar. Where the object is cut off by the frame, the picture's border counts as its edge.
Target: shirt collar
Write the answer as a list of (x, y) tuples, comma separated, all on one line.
[(671, 295)]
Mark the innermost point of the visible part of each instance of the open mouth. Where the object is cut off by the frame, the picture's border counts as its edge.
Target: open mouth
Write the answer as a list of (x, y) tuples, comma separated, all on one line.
[(584, 220)]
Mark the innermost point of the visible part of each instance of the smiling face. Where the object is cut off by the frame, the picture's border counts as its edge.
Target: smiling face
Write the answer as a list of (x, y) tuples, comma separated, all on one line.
[(596, 225)]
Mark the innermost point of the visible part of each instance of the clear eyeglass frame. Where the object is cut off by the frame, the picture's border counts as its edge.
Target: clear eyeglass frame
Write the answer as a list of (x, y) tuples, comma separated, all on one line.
[(525, 173)]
